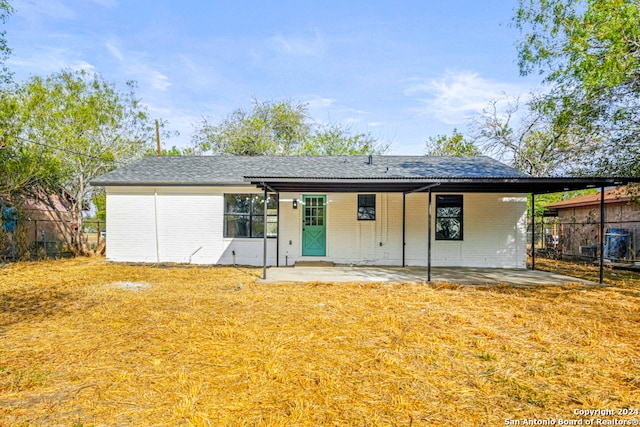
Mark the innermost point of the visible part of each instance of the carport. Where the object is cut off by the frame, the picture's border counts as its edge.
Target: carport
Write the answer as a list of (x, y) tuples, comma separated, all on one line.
[(407, 185)]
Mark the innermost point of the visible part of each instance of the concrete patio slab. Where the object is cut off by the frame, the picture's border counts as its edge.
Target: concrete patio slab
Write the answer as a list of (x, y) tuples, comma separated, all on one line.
[(464, 276)]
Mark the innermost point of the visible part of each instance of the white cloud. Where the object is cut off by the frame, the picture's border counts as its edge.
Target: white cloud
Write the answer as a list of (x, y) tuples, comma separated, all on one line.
[(321, 103), (50, 8), (198, 75), (48, 61), (157, 80), (82, 65), (114, 51), (453, 97), (149, 79), (137, 66), (106, 3), (320, 108), (180, 124), (298, 45), (356, 111), (325, 110)]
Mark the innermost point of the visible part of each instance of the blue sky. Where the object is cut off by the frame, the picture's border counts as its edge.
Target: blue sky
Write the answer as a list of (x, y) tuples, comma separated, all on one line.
[(403, 70)]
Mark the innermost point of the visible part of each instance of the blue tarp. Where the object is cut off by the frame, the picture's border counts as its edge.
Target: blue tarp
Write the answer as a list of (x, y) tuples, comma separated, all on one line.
[(9, 216)]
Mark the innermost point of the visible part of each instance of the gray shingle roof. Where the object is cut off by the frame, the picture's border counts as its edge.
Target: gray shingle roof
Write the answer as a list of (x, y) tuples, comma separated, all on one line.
[(211, 170)]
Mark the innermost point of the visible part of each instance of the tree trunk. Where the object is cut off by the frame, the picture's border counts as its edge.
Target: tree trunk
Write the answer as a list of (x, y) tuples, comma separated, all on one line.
[(101, 247)]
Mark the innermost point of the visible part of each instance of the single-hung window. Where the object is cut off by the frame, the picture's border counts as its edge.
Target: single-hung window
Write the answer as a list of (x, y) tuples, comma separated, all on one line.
[(366, 207), (244, 215), (449, 217)]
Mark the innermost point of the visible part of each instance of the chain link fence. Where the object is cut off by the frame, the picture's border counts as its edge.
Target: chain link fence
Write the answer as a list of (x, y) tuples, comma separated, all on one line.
[(580, 241), (35, 239)]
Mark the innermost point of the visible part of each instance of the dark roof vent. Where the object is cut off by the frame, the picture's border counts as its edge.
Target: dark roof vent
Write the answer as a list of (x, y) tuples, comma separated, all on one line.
[(370, 160)]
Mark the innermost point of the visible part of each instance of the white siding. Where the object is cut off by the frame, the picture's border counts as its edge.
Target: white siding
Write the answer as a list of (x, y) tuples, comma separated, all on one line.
[(130, 225), (494, 231), (189, 227), (349, 241)]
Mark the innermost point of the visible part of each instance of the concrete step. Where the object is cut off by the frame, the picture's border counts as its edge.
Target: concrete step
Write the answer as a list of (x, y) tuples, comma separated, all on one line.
[(314, 264)]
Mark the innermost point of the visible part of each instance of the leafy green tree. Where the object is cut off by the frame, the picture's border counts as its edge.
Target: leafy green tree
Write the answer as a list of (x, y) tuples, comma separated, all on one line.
[(588, 51), (99, 200), (279, 129), (20, 167), (270, 128), (15, 166), (5, 11), (454, 145), (338, 140), (81, 127), (173, 151), (533, 141)]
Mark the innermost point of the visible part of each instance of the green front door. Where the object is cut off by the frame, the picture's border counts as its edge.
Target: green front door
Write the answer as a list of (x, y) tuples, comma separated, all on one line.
[(314, 228)]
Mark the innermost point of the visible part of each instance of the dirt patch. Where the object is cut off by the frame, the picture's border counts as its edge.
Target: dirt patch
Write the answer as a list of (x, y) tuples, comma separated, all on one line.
[(132, 286)]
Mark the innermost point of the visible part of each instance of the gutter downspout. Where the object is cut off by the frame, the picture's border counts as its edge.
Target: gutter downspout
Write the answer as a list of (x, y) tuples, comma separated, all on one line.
[(264, 236), (404, 226), (533, 231), (429, 240), (278, 231), (155, 208)]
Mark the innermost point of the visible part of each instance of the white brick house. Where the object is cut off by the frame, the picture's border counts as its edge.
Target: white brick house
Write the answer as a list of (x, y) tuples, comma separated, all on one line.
[(361, 210)]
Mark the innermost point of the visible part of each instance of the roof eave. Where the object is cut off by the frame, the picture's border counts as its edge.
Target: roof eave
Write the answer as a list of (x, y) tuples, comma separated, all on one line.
[(449, 184), (168, 184)]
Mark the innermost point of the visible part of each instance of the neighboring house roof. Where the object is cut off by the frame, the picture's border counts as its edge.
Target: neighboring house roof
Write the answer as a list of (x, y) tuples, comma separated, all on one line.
[(337, 173), (33, 204), (612, 195), (37, 205)]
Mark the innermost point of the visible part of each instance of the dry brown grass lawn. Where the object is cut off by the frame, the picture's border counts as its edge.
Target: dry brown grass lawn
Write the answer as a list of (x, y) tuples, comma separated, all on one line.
[(590, 271), (210, 346)]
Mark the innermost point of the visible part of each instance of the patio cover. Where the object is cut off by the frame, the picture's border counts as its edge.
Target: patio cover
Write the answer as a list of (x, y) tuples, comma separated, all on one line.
[(447, 174), (444, 184)]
